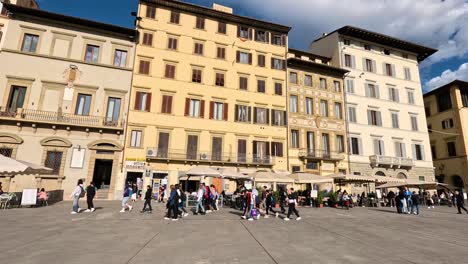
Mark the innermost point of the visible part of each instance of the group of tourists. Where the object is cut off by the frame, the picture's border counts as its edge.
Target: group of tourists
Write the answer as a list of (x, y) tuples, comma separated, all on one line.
[(81, 192)]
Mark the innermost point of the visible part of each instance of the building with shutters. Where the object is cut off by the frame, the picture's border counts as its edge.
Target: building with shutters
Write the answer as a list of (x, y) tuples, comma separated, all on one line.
[(447, 114), (209, 89), (316, 120), (387, 131), (64, 95)]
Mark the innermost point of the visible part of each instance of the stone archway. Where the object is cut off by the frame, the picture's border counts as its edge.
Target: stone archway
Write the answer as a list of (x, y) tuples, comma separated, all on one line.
[(401, 175)]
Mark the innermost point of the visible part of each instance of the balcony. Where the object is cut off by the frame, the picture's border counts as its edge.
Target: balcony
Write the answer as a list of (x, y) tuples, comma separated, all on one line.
[(57, 118), (392, 162), (208, 157), (320, 155)]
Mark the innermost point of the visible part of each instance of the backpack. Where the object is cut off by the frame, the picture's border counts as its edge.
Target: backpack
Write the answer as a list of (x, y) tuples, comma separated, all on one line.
[(82, 193), (254, 212)]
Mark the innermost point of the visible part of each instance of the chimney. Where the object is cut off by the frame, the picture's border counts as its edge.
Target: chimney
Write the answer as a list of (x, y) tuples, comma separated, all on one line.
[(222, 8)]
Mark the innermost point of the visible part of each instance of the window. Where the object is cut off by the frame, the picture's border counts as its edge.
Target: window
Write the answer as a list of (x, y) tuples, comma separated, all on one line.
[(350, 86), (113, 110), (83, 104), (407, 73), (163, 145), (372, 90), (261, 60), (218, 111), (261, 36), (374, 118), (349, 61), (244, 32), (261, 86), (324, 108), (294, 138), (192, 147), (243, 83), (295, 168), (352, 114), (444, 101), (393, 94), (221, 53), (30, 43), (172, 43), (451, 148), (193, 107), (147, 39), (54, 161), (198, 48), (418, 152), (261, 115), (414, 123), (7, 152), (242, 113), (278, 117), (175, 17), (241, 150), (135, 139), (17, 97), (92, 54), (309, 106), (310, 143), (337, 86), (410, 96), (293, 77), (216, 148), (278, 88), (338, 113), (293, 104), (346, 42), (395, 121), (433, 152), (244, 57), (379, 147), (276, 149), (464, 97), (447, 123), (222, 27), (400, 149), (166, 107), (144, 67), (277, 64), (219, 80), (279, 40), (196, 75), (120, 58), (142, 101), (340, 144), (312, 165), (325, 144), (308, 80), (389, 69), (323, 83), (200, 23), (367, 47), (386, 52), (170, 71), (355, 146), (150, 12), (369, 65)]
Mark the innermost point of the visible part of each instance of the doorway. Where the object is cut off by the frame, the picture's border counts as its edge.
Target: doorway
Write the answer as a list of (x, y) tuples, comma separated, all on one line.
[(102, 173), (133, 176)]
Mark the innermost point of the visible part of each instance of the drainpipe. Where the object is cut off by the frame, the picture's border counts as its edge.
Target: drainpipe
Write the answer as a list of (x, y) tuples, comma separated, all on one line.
[(287, 106)]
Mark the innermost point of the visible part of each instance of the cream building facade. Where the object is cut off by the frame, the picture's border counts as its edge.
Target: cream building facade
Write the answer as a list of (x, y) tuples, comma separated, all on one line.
[(447, 118), (209, 89), (64, 92), (387, 132), (316, 120)]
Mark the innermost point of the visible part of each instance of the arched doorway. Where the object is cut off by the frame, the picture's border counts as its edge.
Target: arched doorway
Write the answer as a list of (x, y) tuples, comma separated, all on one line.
[(457, 181), (401, 175), (104, 163)]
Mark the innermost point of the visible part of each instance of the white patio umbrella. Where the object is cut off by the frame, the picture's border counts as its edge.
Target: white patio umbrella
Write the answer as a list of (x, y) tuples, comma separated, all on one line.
[(303, 177), (271, 177), (9, 166), (203, 171), (233, 174)]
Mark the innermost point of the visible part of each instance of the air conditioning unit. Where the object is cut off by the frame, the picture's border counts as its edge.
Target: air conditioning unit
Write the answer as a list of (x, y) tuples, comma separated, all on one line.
[(204, 156), (151, 152)]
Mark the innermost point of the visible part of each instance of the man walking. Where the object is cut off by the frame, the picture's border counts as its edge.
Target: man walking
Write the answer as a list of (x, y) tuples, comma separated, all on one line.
[(173, 204), (200, 196), (292, 201), (148, 197), (415, 203), (90, 193), (460, 202)]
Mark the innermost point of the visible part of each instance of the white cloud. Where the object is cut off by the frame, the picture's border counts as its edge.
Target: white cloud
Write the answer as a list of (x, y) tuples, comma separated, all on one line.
[(447, 76), (434, 23)]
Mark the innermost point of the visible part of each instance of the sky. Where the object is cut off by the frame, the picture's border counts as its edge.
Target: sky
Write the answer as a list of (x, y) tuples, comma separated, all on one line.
[(440, 24)]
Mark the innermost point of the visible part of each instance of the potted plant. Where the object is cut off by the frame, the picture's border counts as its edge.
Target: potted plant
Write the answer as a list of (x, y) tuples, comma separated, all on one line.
[(320, 196), (276, 198), (332, 199)]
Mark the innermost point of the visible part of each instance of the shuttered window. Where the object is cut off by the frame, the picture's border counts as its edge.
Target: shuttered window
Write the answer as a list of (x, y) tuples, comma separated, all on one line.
[(142, 101), (278, 88), (277, 149), (216, 148), (374, 118), (150, 12), (147, 39), (198, 49), (243, 83), (166, 104), (163, 145), (196, 75), (170, 71), (222, 27), (243, 57), (200, 23), (172, 44), (243, 113), (261, 60), (192, 147), (175, 17), (221, 53), (218, 110), (261, 86), (144, 67), (241, 150), (219, 80)]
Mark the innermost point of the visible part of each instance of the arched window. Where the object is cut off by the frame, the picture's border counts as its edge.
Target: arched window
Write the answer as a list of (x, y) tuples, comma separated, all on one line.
[(401, 175), (380, 173)]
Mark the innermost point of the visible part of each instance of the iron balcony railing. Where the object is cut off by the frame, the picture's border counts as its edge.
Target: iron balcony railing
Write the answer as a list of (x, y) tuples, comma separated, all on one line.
[(208, 156), (58, 118), (320, 154), (387, 161)]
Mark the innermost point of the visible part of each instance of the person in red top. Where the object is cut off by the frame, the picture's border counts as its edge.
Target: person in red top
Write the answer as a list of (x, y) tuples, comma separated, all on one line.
[(248, 204)]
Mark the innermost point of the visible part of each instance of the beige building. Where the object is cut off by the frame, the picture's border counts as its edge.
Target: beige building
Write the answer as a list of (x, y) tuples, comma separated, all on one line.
[(64, 92), (447, 121), (209, 89), (316, 120), (387, 130)]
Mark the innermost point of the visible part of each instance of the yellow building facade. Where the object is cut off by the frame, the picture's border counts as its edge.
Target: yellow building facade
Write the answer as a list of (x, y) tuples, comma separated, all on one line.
[(209, 89), (447, 120)]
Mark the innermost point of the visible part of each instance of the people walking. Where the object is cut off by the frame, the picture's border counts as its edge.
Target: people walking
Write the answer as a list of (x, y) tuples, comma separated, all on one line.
[(172, 204), (126, 197), (148, 197), (77, 193), (460, 202), (200, 197), (391, 198), (346, 199), (415, 201), (292, 201), (269, 203), (249, 205), (182, 201), (90, 194), (282, 195), (214, 197)]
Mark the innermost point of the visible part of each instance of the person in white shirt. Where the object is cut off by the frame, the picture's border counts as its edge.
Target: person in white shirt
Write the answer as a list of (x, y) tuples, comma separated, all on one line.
[(77, 193), (200, 194)]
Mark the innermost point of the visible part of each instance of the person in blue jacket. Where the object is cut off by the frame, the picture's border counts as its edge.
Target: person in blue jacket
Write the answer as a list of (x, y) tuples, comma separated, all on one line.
[(172, 205)]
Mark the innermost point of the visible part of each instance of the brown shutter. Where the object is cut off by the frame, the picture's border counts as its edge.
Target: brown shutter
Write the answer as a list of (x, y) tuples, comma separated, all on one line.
[(164, 104), (236, 113), (211, 109), (169, 104), (238, 30), (283, 64), (273, 117), (254, 150), (250, 33), (271, 63), (285, 118), (223, 52), (150, 39), (137, 101), (145, 38), (202, 109), (280, 149), (250, 58), (267, 37), (167, 71), (225, 111), (148, 102), (268, 116), (187, 106), (237, 56), (255, 115), (283, 40), (249, 114), (267, 149)]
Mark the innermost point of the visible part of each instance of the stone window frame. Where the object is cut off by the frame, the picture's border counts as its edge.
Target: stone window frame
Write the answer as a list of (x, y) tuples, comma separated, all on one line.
[(56, 144), (116, 93), (63, 36), (25, 29), (84, 90), (50, 85), (8, 140), (18, 81), (124, 47), (95, 42)]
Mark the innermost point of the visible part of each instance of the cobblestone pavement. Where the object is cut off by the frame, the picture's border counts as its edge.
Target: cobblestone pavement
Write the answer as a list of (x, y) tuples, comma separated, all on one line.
[(326, 235)]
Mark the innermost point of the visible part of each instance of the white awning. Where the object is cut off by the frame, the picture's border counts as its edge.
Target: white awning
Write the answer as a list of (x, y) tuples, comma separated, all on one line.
[(9, 166), (270, 177), (203, 171), (302, 177), (351, 178)]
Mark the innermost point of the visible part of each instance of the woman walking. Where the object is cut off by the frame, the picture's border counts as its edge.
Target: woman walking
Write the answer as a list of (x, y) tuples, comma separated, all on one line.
[(126, 196), (292, 201), (90, 193), (77, 193)]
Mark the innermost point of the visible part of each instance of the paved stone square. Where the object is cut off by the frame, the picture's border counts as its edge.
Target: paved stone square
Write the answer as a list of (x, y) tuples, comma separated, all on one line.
[(326, 235)]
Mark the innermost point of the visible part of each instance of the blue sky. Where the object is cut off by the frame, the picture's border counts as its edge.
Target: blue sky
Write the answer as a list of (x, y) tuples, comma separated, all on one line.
[(435, 23)]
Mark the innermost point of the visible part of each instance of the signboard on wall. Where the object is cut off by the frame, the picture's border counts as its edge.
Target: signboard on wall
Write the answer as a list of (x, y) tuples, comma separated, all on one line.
[(135, 165), (77, 159), (313, 194)]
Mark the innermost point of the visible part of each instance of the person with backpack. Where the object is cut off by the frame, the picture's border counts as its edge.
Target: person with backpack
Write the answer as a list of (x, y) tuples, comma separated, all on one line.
[(200, 197), (250, 205), (207, 198), (173, 204), (148, 197), (128, 191), (214, 197), (415, 198), (282, 195), (269, 202), (90, 193), (292, 201), (182, 201), (77, 193)]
